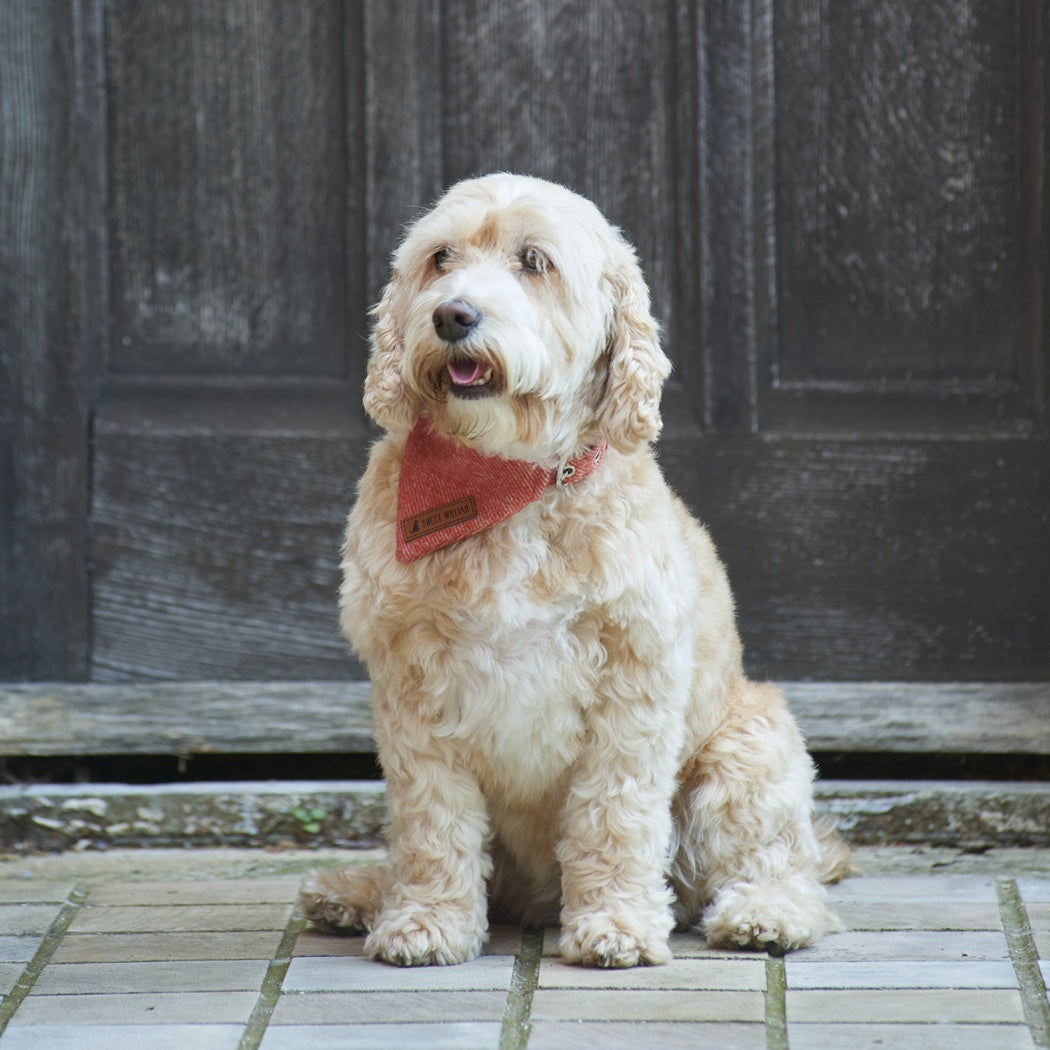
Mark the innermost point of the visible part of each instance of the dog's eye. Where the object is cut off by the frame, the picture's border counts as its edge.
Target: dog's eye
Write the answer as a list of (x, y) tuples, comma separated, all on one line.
[(533, 260), (441, 257)]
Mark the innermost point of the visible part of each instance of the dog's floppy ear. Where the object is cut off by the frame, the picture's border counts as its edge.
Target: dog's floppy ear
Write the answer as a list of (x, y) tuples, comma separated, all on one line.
[(629, 411), (386, 399)]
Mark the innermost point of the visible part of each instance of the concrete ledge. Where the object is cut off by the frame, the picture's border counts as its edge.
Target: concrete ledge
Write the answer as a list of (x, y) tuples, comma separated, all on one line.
[(974, 816), (971, 815), (100, 816)]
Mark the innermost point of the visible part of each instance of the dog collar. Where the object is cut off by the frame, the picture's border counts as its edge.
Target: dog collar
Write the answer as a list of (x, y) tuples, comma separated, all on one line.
[(447, 491)]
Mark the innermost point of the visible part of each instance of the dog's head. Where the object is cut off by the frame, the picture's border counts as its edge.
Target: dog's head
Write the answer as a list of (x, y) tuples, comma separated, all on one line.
[(518, 319)]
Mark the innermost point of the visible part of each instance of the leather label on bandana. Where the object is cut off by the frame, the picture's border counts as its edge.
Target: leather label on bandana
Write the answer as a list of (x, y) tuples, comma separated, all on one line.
[(428, 521)]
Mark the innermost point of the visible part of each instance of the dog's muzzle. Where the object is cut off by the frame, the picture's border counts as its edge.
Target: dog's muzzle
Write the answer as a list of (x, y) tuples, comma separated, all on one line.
[(454, 320)]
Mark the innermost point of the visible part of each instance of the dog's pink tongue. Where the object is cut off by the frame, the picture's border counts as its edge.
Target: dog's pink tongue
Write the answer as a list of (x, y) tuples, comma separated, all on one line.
[(464, 373)]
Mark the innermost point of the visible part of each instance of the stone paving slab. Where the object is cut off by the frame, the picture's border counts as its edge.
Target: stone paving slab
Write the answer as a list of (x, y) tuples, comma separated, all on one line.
[(634, 1004), (216, 975), (126, 1037), (28, 891), (679, 975), (901, 974), (210, 891), (325, 1008), (185, 917), (22, 920), (903, 1005), (926, 887), (917, 915), (487, 973), (207, 951), (18, 949), (916, 945), (1035, 890), (166, 947), (673, 1035), (909, 1037), (143, 1008), (462, 1035)]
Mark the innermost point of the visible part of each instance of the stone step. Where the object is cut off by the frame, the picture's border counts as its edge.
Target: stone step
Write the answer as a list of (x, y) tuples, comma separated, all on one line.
[(965, 815)]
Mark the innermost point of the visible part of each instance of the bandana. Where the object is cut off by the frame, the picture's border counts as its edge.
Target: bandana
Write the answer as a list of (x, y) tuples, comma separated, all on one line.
[(448, 492)]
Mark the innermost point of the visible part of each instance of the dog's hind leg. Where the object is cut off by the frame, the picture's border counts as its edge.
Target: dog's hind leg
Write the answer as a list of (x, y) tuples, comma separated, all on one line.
[(346, 899), (748, 859)]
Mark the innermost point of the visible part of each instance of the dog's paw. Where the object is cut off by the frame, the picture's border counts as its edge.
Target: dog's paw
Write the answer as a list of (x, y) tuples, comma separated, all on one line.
[(774, 916), (605, 942), (342, 900), (417, 936)]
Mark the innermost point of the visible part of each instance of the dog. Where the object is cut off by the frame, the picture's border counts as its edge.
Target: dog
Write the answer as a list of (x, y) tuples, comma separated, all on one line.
[(561, 712)]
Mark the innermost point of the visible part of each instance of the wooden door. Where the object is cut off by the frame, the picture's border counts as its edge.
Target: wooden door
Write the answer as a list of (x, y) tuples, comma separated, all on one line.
[(841, 209)]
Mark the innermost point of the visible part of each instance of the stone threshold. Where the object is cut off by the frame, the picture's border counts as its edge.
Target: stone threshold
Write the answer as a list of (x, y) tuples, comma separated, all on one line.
[(966, 815)]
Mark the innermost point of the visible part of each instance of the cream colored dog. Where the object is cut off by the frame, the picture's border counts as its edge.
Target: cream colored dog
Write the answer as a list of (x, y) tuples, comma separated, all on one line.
[(562, 716)]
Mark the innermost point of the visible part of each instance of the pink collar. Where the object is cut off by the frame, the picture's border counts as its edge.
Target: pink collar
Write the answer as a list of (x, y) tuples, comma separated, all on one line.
[(448, 491)]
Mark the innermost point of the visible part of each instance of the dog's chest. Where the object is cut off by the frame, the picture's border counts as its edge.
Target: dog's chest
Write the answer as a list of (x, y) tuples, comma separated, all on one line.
[(517, 687), (514, 673)]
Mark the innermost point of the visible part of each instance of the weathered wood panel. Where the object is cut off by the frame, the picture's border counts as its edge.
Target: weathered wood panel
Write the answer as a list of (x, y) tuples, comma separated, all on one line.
[(228, 168), (902, 217), (915, 718), (237, 255), (186, 718), (234, 718), (843, 214), (879, 559), (218, 518), (734, 70), (587, 95), (399, 58), (52, 300)]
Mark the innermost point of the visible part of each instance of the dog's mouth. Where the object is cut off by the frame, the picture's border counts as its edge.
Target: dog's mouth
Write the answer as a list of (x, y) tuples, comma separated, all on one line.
[(471, 378)]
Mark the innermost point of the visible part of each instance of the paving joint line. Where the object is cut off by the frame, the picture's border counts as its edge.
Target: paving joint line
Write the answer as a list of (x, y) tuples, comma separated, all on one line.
[(516, 1028), (1025, 959), (43, 955), (776, 1003), (272, 983)]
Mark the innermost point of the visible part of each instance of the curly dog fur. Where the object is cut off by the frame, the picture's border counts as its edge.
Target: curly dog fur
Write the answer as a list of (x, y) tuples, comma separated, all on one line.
[(562, 716)]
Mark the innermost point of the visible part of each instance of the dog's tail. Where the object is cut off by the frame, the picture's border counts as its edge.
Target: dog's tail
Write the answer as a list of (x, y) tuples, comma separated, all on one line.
[(835, 861)]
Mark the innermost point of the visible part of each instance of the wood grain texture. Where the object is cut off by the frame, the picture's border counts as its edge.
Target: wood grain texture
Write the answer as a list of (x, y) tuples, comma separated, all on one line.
[(843, 213), (188, 718), (218, 520), (901, 224), (585, 95), (228, 187), (727, 351), (881, 559), (603, 98), (924, 718), (401, 59), (51, 303)]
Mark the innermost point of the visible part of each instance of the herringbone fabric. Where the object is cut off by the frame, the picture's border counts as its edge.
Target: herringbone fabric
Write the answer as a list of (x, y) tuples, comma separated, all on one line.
[(448, 491)]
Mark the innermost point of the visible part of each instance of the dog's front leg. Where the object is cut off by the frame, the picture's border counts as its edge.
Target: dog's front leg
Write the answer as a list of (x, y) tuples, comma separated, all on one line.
[(615, 835), (435, 909)]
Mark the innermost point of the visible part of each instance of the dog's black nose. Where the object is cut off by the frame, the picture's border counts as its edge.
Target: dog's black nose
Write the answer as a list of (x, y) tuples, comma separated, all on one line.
[(455, 318)]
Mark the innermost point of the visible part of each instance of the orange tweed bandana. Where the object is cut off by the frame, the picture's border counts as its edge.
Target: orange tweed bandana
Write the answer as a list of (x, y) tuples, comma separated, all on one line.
[(448, 492)]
